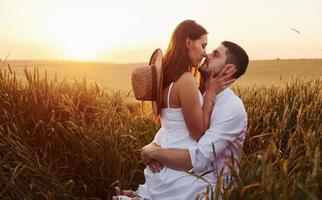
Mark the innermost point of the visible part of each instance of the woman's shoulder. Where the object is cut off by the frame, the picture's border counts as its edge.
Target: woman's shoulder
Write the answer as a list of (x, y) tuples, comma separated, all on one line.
[(186, 78)]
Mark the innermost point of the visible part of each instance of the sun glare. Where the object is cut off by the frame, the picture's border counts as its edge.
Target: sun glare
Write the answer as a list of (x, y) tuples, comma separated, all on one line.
[(78, 32), (95, 31), (78, 39)]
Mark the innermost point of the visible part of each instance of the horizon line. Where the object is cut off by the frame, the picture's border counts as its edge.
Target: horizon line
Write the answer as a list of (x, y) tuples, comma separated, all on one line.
[(115, 62)]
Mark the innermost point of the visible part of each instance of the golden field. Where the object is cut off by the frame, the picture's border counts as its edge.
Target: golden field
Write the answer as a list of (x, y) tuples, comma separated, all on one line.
[(118, 76), (71, 139)]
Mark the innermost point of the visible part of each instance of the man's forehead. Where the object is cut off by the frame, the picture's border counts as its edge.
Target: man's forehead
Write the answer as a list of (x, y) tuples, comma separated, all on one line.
[(221, 49)]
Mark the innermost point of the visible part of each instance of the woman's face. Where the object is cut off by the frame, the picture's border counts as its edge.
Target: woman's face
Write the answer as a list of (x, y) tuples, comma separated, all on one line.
[(197, 50)]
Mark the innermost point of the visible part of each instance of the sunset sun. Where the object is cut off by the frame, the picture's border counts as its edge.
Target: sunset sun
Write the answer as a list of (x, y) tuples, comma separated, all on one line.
[(80, 35)]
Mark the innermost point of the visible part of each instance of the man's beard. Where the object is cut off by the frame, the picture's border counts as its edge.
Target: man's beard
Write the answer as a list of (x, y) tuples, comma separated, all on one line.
[(204, 70)]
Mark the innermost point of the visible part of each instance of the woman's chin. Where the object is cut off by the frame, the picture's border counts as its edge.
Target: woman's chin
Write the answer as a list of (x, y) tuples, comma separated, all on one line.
[(196, 65), (192, 66)]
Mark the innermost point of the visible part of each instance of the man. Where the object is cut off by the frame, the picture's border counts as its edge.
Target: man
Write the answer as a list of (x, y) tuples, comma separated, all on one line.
[(221, 141)]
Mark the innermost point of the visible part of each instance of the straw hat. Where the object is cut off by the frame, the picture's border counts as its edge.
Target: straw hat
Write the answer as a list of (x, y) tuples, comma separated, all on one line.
[(147, 82)]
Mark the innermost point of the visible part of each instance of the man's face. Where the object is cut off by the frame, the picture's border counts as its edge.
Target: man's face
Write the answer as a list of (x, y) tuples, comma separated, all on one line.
[(215, 61)]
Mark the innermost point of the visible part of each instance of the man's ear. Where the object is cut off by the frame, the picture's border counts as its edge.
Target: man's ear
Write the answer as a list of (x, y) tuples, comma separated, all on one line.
[(188, 42), (230, 68)]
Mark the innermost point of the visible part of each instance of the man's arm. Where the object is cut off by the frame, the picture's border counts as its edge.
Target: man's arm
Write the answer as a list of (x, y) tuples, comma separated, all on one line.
[(154, 165), (219, 137), (178, 159)]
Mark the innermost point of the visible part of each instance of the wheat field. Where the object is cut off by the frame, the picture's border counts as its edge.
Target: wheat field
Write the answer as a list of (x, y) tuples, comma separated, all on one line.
[(113, 76), (63, 139)]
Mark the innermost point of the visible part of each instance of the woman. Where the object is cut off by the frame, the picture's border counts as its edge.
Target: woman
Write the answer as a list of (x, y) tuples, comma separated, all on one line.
[(185, 113)]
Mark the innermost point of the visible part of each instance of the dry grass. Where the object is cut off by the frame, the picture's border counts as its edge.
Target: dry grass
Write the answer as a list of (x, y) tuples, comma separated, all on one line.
[(70, 140), (282, 151), (118, 76)]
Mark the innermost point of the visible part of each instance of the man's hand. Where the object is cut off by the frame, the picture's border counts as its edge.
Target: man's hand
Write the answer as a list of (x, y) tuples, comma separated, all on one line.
[(146, 152), (145, 157), (155, 166), (178, 159)]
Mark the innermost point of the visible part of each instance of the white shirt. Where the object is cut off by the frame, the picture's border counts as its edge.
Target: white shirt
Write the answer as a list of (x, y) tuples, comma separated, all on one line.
[(225, 136), (226, 132)]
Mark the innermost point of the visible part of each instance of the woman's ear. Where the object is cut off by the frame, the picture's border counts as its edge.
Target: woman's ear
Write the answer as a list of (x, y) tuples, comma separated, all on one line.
[(188, 43)]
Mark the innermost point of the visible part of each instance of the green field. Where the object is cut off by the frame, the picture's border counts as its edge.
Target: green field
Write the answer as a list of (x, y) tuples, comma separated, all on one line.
[(117, 76)]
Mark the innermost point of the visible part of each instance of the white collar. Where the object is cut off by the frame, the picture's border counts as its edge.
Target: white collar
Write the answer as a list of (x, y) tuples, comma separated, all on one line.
[(222, 94)]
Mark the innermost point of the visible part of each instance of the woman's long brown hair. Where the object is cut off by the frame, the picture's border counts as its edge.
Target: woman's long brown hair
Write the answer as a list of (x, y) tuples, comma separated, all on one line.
[(176, 61)]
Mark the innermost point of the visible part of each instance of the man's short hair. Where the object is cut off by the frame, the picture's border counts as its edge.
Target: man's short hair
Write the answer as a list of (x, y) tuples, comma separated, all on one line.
[(236, 56)]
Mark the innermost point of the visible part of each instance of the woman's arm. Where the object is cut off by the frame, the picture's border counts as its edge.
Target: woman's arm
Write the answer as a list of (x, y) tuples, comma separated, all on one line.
[(197, 117), (202, 85)]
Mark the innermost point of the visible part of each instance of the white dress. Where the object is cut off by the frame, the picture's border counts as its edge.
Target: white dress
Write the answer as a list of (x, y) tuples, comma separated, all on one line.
[(172, 184)]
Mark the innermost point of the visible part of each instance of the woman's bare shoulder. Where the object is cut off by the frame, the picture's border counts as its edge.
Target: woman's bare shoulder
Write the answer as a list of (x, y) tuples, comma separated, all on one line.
[(186, 78)]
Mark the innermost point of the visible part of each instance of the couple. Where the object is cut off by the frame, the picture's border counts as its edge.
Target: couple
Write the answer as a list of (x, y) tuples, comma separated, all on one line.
[(196, 123)]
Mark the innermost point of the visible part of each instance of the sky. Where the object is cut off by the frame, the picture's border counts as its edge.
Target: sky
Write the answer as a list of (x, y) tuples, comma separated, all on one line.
[(129, 30)]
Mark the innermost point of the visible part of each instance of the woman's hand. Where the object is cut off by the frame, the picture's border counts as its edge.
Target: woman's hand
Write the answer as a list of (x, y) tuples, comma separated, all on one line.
[(214, 85)]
